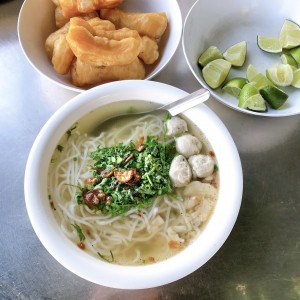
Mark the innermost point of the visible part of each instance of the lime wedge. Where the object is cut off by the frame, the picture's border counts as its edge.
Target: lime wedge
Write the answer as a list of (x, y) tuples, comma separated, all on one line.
[(209, 55), (296, 79), (290, 35), (274, 96), (247, 91), (236, 54), (295, 53), (251, 72), (234, 86), (280, 75), (287, 59), (256, 103), (215, 72), (269, 44), (260, 81)]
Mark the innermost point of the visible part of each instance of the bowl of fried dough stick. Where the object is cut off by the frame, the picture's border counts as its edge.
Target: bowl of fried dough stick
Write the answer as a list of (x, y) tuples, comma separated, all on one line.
[(79, 44)]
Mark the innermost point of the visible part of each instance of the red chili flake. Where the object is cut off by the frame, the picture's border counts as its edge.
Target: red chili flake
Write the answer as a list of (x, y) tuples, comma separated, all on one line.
[(174, 244), (81, 245), (151, 259), (212, 153)]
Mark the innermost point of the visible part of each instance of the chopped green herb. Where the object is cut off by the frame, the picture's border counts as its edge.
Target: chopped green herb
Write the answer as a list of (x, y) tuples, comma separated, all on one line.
[(53, 160), (104, 258), (79, 231), (60, 148), (131, 110), (119, 161), (69, 131), (74, 158), (49, 197), (167, 117), (216, 168)]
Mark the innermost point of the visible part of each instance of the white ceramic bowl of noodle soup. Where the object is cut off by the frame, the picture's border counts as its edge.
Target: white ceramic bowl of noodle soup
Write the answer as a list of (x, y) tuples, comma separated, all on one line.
[(35, 25), (106, 101)]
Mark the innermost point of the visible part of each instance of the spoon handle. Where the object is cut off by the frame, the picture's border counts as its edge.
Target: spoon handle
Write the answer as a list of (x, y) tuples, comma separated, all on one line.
[(187, 102)]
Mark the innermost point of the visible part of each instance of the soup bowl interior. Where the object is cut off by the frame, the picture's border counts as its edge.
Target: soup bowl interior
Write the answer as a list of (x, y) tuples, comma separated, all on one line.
[(93, 107), (36, 24)]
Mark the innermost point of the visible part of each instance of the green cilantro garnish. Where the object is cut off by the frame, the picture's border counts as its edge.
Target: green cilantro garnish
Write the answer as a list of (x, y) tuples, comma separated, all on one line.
[(106, 259), (69, 131), (167, 117), (151, 164), (60, 148), (79, 231)]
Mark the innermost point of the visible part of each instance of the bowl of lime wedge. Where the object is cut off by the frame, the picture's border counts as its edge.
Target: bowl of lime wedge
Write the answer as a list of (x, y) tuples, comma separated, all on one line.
[(247, 53)]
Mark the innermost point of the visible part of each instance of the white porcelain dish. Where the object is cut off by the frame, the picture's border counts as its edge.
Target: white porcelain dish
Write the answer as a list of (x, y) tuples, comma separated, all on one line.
[(224, 23), (102, 100), (35, 25)]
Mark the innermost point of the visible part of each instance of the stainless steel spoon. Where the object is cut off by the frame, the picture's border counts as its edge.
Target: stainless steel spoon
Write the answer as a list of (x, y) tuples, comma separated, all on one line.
[(174, 108), (178, 106)]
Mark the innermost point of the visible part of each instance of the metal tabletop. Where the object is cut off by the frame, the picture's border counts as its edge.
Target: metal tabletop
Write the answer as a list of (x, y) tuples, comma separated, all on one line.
[(259, 260)]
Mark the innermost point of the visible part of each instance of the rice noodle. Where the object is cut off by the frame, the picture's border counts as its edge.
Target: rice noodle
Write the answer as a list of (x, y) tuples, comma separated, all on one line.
[(127, 236)]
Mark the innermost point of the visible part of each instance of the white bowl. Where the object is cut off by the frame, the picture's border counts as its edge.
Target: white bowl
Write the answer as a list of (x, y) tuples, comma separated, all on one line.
[(35, 25), (84, 265), (224, 23)]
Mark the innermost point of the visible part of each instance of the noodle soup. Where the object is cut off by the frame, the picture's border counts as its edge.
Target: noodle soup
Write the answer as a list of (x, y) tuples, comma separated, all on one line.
[(142, 234)]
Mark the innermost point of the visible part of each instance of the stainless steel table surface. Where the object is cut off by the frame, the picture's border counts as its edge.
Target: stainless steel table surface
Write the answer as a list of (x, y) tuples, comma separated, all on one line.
[(259, 260)]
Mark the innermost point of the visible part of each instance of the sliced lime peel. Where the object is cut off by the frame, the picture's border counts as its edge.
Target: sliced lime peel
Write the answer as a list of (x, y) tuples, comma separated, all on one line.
[(215, 72), (236, 54), (269, 44)]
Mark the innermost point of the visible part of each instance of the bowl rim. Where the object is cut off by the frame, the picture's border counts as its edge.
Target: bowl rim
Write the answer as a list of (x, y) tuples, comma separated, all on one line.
[(129, 277), (212, 91), (176, 32)]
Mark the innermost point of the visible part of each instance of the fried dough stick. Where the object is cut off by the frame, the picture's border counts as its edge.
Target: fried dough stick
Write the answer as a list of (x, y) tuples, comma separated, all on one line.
[(58, 49), (83, 74), (149, 52), (61, 20), (71, 8), (150, 24), (106, 48)]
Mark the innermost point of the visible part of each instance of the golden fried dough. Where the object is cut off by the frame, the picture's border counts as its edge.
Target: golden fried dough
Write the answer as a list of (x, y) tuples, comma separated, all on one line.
[(59, 51), (83, 74), (61, 20), (56, 2), (150, 24), (71, 8), (62, 56), (100, 25), (119, 47), (149, 53), (49, 43)]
